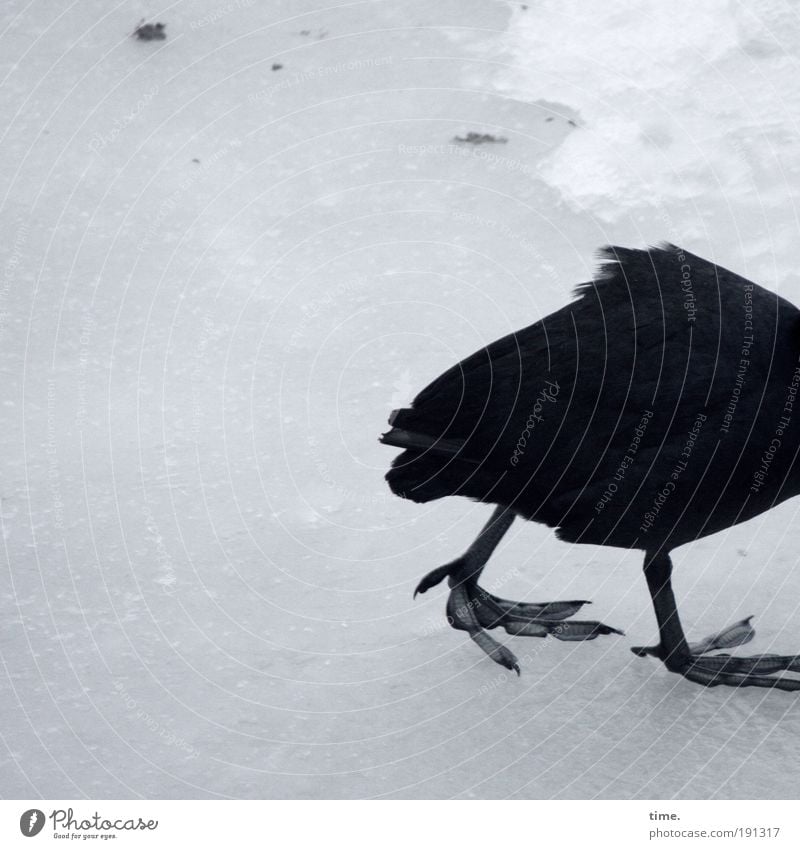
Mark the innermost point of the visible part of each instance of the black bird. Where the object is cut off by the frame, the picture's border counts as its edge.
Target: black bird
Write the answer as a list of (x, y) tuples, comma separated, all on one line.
[(659, 407)]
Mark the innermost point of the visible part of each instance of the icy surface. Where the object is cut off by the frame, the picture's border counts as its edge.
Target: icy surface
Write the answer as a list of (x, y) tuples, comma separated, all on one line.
[(682, 108), (227, 256)]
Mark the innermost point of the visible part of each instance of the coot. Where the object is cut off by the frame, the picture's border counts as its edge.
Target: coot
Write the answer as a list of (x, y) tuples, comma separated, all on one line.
[(658, 407)]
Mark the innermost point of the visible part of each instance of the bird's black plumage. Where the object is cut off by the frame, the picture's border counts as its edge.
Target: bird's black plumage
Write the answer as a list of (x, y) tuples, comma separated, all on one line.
[(660, 406), (670, 370)]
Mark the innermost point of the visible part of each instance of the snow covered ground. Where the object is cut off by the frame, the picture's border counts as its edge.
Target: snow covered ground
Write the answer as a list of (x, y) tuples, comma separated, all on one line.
[(227, 256)]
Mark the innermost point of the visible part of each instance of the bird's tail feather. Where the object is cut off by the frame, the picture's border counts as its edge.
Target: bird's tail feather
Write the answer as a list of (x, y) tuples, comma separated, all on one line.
[(401, 438), (430, 466)]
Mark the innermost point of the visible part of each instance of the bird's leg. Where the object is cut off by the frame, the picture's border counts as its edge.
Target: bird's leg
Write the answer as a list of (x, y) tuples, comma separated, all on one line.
[(470, 608), (693, 660), (466, 598), (470, 565)]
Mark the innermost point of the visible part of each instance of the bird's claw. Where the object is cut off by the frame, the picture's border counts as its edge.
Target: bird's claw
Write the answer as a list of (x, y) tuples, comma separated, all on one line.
[(434, 577), (646, 651), (496, 651)]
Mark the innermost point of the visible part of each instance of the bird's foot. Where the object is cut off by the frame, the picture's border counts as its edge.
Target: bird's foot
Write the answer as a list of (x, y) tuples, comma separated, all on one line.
[(712, 670), (472, 609), (734, 635)]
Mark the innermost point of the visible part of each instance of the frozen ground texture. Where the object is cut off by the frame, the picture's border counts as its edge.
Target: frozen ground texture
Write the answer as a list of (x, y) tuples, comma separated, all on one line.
[(219, 277), (685, 107)]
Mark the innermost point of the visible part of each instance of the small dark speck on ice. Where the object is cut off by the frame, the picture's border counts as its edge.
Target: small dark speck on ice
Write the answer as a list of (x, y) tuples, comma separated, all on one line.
[(480, 138), (150, 32)]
